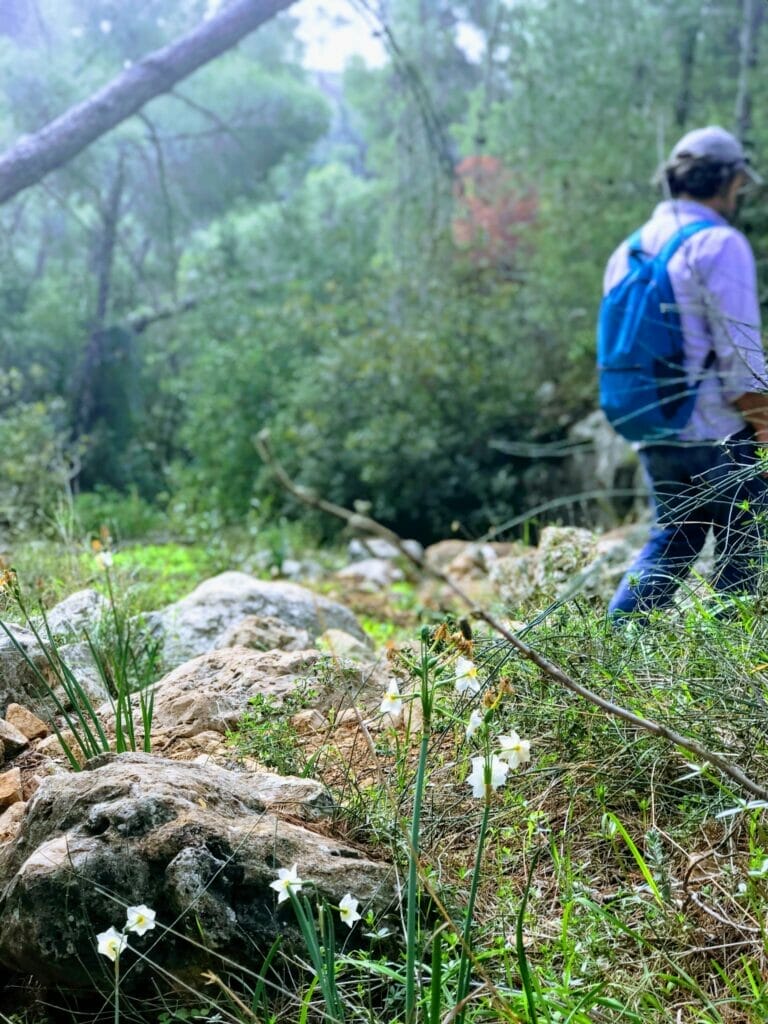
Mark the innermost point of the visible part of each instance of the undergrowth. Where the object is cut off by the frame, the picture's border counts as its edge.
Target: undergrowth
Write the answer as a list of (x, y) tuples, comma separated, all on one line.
[(610, 878)]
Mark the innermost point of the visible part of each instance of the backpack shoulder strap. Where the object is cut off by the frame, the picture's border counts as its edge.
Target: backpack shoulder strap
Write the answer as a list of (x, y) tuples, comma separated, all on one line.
[(682, 235), (635, 253)]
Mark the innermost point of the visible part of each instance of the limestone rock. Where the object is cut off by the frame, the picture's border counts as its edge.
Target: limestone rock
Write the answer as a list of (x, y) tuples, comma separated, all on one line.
[(514, 578), (361, 548), (12, 739), (604, 461), (79, 660), (563, 552), (10, 821), (18, 680), (77, 614), (25, 722), (10, 788), (199, 621), (462, 559), (371, 573), (341, 645), (308, 721), (51, 747), (198, 844), (212, 691), (266, 633)]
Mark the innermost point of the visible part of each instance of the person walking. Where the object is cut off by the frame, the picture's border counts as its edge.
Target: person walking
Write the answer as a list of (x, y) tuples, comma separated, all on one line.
[(705, 475)]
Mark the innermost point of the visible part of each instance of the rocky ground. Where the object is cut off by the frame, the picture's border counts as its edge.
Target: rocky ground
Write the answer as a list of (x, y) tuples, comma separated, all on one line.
[(193, 827)]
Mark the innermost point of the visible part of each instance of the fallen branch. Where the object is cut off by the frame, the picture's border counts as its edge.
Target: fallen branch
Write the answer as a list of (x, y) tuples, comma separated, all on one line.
[(549, 668)]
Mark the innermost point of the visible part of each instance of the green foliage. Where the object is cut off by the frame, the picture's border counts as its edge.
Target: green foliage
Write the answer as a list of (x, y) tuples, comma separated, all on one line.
[(126, 665), (265, 731), (34, 466), (401, 416)]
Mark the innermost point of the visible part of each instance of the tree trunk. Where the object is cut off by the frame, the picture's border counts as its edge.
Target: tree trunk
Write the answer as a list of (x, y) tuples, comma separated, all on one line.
[(752, 14), (687, 64), (36, 155), (93, 357)]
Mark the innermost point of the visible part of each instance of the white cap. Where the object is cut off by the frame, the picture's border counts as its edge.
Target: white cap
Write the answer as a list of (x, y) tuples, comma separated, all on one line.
[(719, 146)]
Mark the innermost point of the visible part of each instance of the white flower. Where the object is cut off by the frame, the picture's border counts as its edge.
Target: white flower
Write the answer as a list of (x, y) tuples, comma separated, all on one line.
[(476, 778), (111, 943), (104, 560), (348, 909), (140, 919), (466, 676), (392, 702), (287, 882), (514, 750), (474, 723)]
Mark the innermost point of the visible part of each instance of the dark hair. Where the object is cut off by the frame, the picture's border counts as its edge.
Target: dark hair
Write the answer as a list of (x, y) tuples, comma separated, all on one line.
[(697, 176)]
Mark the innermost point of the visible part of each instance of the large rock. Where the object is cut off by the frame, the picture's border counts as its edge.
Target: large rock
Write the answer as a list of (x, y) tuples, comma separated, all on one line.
[(199, 622), (211, 692), (78, 614), (19, 682), (200, 845), (603, 461), (266, 633), (540, 574), (80, 661)]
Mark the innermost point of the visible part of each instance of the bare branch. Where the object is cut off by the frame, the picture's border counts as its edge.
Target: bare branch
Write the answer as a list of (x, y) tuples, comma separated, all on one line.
[(552, 671)]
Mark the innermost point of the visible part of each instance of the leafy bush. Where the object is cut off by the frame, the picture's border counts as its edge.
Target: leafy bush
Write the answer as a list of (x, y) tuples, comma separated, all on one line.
[(34, 466), (400, 412)]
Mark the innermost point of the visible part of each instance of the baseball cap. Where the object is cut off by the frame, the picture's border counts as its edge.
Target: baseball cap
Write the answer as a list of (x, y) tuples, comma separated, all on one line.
[(715, 144)]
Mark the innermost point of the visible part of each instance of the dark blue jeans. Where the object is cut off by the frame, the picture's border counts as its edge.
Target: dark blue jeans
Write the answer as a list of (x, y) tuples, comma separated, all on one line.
[(695, 488)]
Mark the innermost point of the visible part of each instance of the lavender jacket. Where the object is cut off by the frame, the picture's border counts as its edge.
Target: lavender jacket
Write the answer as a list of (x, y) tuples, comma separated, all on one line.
[(715, 284)]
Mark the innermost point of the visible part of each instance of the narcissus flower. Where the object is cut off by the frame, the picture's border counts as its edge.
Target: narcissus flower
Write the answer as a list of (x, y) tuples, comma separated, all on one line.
[(141, 919), (111, 943), (348, 909), (476, 778), (104, 560), (466, 676), (474, 723), (287, 881), (392, 702), (514, 750)]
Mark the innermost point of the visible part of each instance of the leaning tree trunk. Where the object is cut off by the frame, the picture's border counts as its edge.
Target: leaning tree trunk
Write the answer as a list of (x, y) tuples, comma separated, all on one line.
[(36, 155)]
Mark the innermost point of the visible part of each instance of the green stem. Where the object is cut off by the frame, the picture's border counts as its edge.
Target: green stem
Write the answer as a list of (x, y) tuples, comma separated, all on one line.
[(465, 964), (413, 881), (117, 988)]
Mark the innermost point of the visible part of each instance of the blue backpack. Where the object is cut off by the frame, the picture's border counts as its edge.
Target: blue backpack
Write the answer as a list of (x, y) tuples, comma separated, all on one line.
[(644, 390)]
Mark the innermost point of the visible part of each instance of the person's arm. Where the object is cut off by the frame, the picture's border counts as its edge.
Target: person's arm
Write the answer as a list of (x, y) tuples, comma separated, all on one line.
[(753, 406)]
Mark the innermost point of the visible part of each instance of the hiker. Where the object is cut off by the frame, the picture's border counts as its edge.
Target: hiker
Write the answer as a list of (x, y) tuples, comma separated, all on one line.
[(701, 467)]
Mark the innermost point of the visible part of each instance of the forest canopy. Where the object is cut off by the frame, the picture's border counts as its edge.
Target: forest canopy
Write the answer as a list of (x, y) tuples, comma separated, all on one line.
[(391, 269)]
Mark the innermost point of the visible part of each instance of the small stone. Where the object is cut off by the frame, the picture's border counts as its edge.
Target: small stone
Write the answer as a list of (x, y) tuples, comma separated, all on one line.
[(53, 748), (10, 821), (28, 724), (10, 788), (310, 720), (13, 740), (347, 719), (343, 645)]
